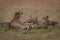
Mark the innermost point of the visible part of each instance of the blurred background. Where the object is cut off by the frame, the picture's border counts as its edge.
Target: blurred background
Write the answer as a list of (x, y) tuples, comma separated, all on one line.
[(38, 8)]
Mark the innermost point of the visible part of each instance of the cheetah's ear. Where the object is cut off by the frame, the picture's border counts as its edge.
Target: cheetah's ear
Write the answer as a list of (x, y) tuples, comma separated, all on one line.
[(47, 16), (17, 13)]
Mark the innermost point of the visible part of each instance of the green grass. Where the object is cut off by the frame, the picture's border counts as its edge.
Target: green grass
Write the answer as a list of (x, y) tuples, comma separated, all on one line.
[(40, 32)]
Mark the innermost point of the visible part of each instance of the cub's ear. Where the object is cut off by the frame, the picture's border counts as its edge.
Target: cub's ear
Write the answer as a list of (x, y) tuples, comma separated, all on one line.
[(43, 17)]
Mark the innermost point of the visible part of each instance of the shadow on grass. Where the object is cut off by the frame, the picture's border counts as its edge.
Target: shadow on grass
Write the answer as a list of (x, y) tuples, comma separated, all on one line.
[(4, 28)]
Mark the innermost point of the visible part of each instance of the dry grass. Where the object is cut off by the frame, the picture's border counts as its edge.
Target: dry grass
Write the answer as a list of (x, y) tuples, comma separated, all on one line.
[(8, 13)]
